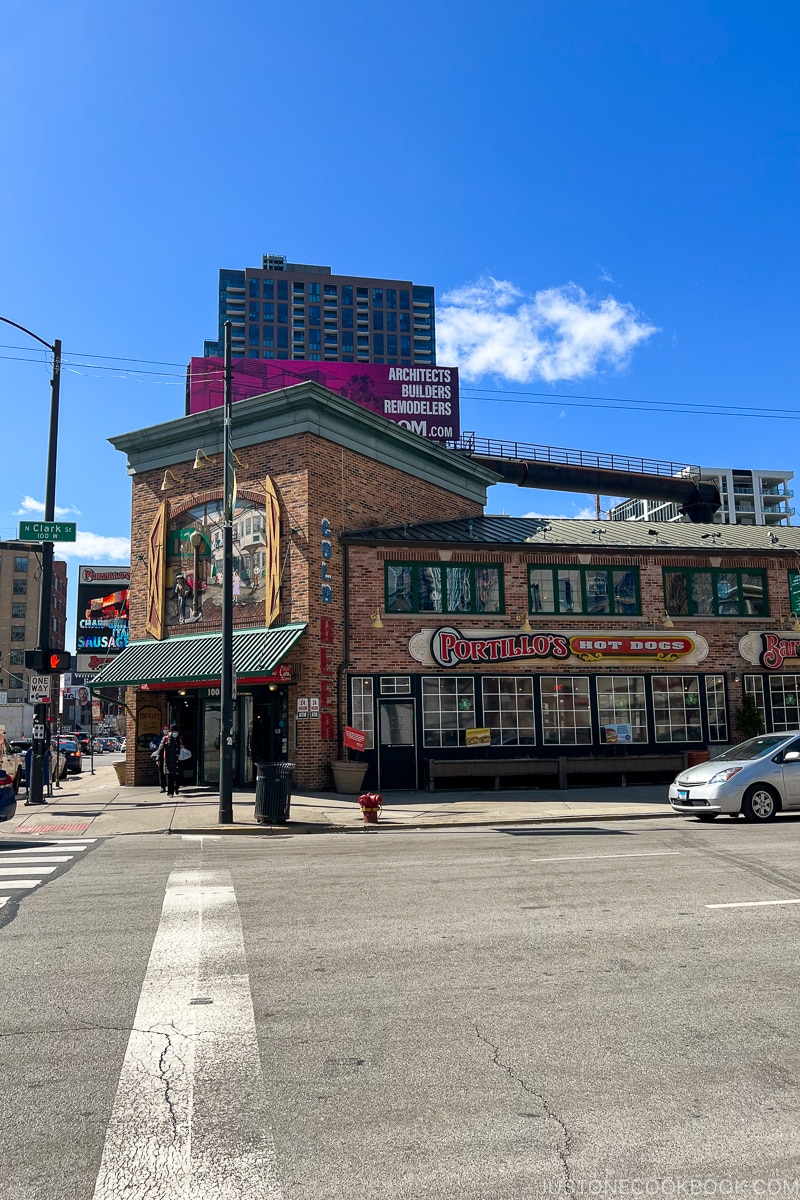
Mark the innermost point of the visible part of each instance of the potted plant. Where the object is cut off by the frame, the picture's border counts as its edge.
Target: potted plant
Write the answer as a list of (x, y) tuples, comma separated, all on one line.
[(748, 720), (348, 776)]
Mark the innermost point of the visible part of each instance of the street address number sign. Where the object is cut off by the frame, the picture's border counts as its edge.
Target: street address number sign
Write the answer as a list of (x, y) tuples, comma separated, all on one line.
[(47, 531)]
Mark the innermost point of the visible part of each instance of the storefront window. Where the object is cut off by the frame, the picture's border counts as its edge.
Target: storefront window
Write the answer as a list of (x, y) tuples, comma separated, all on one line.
[(754, 687), (395, 685), (566, 717), (448, 708), (676, 708), (717, 710), (508, 710), (361, 692), (715, 593), (783, 695), (423, 587), (620, 701), (594, 591)]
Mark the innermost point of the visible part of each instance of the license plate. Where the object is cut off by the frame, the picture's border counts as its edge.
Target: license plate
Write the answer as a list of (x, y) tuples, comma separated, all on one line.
[(683, 794)]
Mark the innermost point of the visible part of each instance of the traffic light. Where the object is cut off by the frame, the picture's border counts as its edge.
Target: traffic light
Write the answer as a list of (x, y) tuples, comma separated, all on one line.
[(58, 661)]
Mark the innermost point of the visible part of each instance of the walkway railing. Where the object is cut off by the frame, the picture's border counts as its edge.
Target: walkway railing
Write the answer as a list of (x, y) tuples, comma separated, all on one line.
[(471, 445)]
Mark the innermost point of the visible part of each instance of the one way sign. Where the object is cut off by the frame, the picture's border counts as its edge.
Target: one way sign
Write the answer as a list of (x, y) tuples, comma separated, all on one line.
[(40, 689)]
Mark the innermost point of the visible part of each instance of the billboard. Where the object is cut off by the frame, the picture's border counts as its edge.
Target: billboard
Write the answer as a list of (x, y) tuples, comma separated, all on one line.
[(422, 399), (102, 626)]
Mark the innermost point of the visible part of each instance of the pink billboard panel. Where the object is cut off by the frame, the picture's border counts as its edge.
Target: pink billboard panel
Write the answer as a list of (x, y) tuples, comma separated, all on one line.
[(423, 399)]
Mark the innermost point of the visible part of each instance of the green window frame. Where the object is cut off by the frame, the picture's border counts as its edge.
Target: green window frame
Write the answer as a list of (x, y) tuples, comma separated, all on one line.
[(715, 592), (794, 592), (570, 590), (474, 589)]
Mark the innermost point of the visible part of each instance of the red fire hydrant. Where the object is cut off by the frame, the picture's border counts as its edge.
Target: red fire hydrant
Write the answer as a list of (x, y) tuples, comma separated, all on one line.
[(371, 804)]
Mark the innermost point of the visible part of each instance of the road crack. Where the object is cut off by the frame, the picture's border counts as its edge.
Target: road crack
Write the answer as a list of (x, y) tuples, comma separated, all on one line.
[(564, 1145)]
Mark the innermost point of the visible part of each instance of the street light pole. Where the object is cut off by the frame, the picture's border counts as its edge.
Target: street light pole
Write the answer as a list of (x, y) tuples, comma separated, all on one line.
[(40, 744), (225, 815)]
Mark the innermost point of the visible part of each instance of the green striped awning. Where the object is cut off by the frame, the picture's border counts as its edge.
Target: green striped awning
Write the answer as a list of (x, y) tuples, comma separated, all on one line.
[(197, 658)]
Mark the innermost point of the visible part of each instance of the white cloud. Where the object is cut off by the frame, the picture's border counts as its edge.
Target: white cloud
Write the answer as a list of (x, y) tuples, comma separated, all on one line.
[(582, 514), (96, 547), (490, 327), (29, 507)]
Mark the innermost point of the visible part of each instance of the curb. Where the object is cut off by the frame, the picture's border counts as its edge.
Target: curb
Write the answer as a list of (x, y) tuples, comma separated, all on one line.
[(416, 827)]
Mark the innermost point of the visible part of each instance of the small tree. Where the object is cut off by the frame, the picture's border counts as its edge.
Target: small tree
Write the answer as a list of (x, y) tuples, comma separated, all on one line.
[(748, 720)]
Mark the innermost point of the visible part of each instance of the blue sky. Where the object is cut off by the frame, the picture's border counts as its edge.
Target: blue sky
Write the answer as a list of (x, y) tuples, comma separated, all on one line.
[(606, 190)]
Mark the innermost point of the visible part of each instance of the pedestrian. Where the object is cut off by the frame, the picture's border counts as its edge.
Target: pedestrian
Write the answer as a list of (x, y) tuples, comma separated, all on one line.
[(237, 586), (158, 758), (170, 752)]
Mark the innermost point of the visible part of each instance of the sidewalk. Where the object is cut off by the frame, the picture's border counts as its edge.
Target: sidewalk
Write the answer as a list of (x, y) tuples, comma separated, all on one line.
[(96, 806)]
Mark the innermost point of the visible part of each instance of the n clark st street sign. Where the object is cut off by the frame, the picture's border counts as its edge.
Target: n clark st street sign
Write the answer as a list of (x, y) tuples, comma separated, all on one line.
[(47, 531)]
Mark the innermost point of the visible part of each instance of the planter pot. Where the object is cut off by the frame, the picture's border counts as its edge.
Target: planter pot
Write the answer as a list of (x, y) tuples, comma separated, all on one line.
[(349, 776), (121, 769)]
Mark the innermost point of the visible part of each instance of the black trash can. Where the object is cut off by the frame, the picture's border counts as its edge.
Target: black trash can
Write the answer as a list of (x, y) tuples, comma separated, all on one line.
[(273, 792)]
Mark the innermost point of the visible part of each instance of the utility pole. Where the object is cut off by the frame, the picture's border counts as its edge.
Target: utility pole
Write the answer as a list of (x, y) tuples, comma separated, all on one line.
[(225, 815), (41, 739), (40, 713)]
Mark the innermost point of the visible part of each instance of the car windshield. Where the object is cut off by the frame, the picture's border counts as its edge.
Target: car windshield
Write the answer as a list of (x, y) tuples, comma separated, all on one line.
[(754, 748)]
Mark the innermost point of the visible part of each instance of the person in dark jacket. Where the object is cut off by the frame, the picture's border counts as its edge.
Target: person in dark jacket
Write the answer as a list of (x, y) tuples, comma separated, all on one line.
[(169, 755)]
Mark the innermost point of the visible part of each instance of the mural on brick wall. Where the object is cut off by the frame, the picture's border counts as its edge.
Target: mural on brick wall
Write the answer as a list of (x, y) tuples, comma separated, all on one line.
[(193, 578)]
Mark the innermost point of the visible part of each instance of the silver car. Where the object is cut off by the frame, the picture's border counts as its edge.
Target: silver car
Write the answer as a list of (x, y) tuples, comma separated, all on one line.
[(756, 778)]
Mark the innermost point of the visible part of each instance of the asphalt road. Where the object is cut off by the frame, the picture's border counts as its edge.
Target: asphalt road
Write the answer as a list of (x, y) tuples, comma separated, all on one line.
[(473, 1014)]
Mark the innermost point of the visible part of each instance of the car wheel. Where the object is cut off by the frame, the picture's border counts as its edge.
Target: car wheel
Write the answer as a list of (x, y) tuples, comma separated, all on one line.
[(63, 774), (17, 782), (760, 803), (706, 817)]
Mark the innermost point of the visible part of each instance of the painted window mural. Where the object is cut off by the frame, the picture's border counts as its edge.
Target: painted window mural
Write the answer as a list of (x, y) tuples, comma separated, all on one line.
[(194, 555)]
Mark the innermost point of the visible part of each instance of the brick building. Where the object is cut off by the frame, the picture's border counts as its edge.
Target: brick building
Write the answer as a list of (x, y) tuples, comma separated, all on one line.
[(592, 649), (20, 597), (310, 465), (371, 590)]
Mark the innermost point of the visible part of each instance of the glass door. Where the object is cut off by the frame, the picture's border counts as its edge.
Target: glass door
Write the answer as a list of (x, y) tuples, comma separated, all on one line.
[(212, 725)]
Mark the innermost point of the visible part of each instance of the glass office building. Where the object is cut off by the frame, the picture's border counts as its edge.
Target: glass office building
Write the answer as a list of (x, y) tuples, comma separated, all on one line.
[(286, 310)]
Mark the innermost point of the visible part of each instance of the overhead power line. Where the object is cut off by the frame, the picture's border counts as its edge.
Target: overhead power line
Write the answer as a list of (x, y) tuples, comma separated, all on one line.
[(137, 372)]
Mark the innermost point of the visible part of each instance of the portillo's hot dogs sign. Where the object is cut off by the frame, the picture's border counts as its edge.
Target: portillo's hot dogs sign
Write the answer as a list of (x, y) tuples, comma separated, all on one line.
[(451, 647)]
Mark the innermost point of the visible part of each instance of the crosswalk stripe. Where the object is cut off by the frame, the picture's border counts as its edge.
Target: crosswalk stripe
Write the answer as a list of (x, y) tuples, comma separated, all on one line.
[(51, 858), (24, 884), (193, 1047), (43, 849), (4, 900), (26, 870)]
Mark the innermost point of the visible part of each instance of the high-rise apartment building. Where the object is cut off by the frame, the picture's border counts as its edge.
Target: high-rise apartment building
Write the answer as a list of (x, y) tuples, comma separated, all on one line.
[(20, 588), (298, 311), (748, 498)]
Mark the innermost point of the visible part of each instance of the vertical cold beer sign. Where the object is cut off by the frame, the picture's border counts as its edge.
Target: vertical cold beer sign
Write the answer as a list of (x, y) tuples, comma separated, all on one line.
[(327, 729)]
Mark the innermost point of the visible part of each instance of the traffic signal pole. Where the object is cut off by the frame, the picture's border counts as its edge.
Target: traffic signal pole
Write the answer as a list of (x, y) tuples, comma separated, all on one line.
[(41, 729)]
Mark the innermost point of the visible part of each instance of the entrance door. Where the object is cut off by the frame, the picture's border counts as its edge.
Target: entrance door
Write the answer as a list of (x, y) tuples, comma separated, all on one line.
[(397, 748), (212, 724)]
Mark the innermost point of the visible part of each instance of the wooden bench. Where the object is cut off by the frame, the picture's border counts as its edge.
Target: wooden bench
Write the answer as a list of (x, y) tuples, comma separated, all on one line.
[(560, 769), (449, 768)]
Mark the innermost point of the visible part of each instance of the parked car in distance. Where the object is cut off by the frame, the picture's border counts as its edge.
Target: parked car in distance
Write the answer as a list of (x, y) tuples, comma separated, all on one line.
[(84, 741), (758, 778), (12, 763), (21, 746), (68, 751), (109, 744), (97, 746)]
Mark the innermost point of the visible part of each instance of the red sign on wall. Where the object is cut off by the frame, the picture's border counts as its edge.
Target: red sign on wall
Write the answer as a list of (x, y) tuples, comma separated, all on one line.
[(354, 739)]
